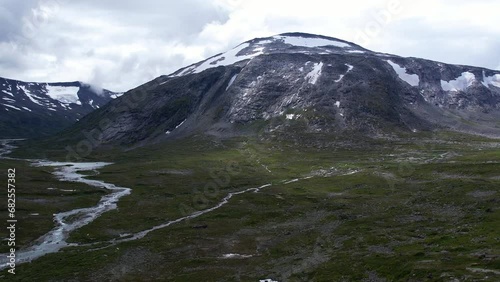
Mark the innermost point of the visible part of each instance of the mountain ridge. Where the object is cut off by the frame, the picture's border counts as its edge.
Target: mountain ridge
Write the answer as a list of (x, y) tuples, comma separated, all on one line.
[(36, 109)]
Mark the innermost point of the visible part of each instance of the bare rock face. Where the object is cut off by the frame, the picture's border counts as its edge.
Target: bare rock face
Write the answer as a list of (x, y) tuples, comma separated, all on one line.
[(32, 109), (322, 84)]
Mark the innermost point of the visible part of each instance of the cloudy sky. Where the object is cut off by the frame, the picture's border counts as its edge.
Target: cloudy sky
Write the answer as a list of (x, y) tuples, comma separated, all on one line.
[(122, 44)]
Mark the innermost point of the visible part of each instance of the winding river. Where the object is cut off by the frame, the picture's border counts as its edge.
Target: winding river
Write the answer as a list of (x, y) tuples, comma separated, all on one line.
[(68, 221)]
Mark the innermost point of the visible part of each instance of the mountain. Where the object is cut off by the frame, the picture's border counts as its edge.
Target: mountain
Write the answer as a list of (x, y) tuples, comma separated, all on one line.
[(289, 158), (29, 109), (296, 82)]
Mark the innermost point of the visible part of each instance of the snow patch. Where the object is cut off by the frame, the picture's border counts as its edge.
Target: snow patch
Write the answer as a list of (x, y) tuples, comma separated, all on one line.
[(231, 81), (312, 76), (225, 59), (179, 125), (63, 94), (10, 106), (30, 96), (9, 100), (311, 42), (292, 116), (235, 256), (267, 280), (116, 95), (349, 68), (8, 93), (460, 83), (337, 104), (491, 80), (411, 79)]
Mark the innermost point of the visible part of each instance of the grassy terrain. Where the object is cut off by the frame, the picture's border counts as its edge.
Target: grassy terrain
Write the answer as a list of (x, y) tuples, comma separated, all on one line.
[(416, 208)]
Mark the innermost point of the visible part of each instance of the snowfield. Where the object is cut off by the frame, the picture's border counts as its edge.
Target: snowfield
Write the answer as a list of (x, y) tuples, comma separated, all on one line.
[(64, 94), (460, 83), (491, 80), (311, 42), (411, 79), (224, 59), (248, 51), (312, 76)]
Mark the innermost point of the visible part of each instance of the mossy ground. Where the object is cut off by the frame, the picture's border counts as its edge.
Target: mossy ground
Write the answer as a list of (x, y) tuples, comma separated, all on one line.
[(417, 208)]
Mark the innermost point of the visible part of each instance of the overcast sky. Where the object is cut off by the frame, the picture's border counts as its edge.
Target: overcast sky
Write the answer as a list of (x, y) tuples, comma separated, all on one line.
[(121, 44)]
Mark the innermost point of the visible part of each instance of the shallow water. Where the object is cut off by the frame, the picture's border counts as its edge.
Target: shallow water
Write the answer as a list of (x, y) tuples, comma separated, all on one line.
[(55, 239)]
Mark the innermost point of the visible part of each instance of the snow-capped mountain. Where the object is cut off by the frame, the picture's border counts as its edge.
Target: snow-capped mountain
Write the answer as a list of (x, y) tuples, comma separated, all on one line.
[(296, 43), (311, 82), (29, 109)]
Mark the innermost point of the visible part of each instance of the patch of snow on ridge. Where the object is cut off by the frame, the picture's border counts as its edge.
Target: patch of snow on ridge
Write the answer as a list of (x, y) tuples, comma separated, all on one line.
[(225, 59), (411, 79), (116, 95), (491, 80), (460, 83), (30, 96), (64, 94), (312, 76), (342, 75), (311, 42)]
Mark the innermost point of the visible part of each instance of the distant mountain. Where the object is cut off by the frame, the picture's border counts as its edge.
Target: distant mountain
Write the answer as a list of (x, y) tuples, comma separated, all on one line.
[(29, 109), (301, 82)]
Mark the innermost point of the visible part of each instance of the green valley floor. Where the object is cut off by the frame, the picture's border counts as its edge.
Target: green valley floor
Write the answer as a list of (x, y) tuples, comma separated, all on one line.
[(421, 207)]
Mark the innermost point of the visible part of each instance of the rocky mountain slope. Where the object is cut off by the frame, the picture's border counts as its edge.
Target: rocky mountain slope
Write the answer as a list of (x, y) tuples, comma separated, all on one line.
[(297, 81), (29, 109)]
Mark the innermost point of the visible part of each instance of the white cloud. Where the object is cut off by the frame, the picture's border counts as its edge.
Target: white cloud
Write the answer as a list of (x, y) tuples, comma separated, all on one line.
[(121, 44)]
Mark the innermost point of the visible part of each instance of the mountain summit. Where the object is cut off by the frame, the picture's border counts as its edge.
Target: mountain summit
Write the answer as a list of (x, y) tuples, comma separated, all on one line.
[(301, 82), (289, 43)]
